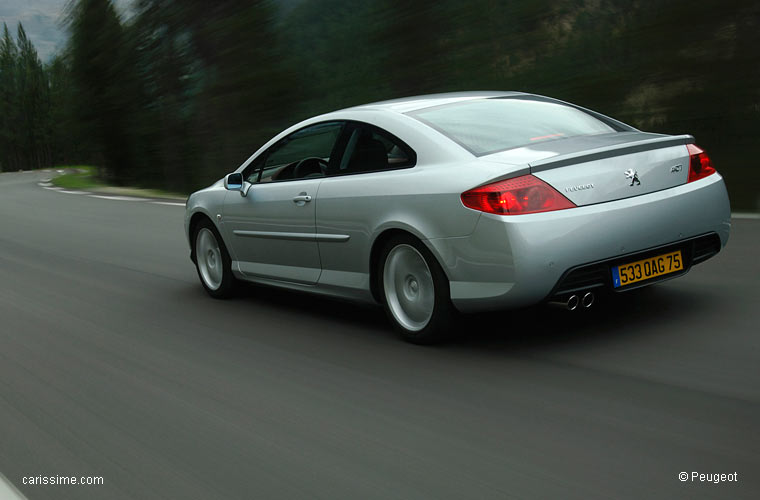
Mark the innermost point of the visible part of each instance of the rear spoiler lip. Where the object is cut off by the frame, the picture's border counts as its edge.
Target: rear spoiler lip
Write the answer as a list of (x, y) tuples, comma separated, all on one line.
[(609, 152)]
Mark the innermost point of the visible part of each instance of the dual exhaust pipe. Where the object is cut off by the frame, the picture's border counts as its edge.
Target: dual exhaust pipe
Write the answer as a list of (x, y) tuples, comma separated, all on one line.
[(575, 302)]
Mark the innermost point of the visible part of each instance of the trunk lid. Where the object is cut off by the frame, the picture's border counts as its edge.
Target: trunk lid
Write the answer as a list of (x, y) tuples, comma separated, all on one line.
[(607, 167)]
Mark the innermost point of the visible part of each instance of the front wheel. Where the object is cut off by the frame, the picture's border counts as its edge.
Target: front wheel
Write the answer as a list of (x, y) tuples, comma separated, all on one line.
[(415, 291), (213, 261)]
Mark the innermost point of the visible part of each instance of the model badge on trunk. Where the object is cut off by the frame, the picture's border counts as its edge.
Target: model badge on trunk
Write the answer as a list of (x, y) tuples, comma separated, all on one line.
[(580, 187), (633, 175)]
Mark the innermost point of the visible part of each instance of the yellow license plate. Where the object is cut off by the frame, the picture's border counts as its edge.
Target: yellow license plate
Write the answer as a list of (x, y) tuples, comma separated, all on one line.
[(644, 269)]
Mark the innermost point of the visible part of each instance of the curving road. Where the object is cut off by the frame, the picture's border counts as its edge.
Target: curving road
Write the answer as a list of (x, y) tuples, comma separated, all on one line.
[(115, 364)]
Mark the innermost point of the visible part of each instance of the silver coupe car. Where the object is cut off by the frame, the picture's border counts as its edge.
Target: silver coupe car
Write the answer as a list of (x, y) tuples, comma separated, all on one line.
[(460, 202)]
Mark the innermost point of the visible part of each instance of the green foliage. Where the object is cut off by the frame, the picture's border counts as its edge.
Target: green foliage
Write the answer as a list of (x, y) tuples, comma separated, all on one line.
[(68, 142), (103, 68), (24, 105), (9, 102), (185, 90), (80, 177)]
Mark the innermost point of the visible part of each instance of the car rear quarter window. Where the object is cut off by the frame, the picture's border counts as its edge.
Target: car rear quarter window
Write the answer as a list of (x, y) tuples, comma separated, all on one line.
[(484, 126), (371, 149)]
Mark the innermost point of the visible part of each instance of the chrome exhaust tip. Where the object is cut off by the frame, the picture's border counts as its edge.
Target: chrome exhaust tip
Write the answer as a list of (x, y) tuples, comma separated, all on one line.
[(588, 300), (572, 303)]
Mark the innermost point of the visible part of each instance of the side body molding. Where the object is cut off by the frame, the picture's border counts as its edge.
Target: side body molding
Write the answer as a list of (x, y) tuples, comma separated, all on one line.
[(292, 236)]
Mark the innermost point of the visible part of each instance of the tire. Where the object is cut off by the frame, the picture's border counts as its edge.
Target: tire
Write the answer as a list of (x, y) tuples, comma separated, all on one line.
[(212, 261), (415, 291)]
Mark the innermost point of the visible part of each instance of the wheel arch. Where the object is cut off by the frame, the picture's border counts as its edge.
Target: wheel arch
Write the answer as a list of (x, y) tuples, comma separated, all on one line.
[(196, 219), (374, 257)]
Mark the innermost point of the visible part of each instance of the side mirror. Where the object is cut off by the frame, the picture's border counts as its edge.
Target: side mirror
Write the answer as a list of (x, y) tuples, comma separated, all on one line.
[(235, 182)]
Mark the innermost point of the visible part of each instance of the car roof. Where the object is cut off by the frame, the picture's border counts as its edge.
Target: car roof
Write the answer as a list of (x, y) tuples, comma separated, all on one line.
[(414, 103)]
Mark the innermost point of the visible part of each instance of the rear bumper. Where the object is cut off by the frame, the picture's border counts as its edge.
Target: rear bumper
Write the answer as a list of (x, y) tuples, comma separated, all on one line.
[(595, 275), (517, 261)]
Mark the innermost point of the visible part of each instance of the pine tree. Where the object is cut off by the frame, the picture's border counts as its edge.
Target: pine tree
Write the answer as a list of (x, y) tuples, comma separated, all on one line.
[(103, 73), (66, 138), (9, 111), (34, 100)]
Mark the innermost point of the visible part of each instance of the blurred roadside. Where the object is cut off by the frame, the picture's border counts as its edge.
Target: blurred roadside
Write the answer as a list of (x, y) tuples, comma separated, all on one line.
[(83, 178), (182, 92)]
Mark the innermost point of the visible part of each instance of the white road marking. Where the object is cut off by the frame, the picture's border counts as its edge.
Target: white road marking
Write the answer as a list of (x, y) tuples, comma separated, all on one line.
[(170, 203), (8, 491), (117, 198), (745, 215), (49, 186)]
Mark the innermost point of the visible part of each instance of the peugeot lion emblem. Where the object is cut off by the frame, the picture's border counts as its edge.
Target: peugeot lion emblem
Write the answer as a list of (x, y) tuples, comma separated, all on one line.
[(633, 175)]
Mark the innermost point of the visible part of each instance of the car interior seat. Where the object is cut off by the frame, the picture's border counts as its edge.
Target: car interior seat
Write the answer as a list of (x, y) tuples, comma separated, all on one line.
[(369, 154)]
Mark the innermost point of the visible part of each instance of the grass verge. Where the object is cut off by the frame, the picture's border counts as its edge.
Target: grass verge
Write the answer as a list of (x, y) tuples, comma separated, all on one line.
[(85, 177), (79, 177)]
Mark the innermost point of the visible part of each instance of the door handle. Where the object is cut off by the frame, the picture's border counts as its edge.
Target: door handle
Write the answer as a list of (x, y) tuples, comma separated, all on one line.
[(302, 198)]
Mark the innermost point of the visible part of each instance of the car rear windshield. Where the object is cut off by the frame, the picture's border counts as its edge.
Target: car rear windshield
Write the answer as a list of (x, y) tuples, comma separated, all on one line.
[(485, 126)]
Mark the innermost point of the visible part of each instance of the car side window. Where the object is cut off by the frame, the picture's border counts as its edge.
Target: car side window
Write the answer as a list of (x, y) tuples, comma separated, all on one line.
[(370, 149), (304, 154)]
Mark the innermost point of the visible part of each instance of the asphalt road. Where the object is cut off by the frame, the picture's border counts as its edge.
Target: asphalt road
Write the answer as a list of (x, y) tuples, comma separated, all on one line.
[(114, 363)]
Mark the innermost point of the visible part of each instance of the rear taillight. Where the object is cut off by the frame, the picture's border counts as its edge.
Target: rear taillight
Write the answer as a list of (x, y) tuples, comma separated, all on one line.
[(700, 165), (521, 195)]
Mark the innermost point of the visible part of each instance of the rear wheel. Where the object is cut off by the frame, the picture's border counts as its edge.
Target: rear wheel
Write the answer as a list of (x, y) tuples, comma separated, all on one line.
[(415, 291), (213, 261)]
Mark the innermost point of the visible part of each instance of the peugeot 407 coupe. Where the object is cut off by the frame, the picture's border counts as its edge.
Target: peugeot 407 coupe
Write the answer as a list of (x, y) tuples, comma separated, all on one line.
[(460, 202)]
